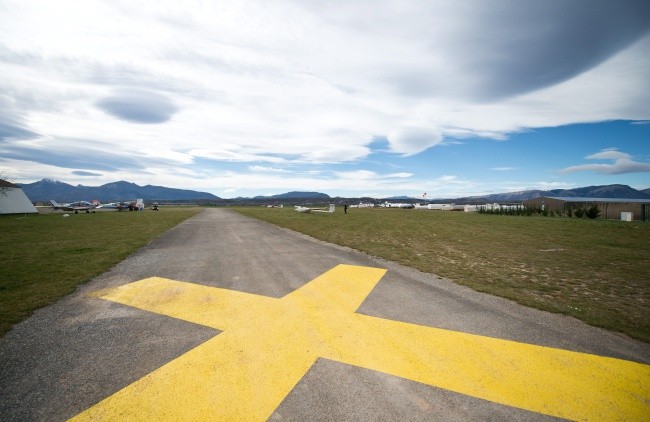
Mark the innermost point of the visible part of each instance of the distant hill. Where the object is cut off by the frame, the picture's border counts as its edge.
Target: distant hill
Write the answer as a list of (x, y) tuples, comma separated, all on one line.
[(605, 191), (398, 198), (47, 189), (296, 195)]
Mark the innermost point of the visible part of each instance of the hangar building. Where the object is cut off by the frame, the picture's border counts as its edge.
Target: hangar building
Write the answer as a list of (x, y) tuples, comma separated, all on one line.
[(610, 208), (13, 200)]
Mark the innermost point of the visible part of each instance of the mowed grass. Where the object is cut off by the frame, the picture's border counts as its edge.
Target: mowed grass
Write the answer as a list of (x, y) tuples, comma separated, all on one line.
[(45, 257), (595, 270)]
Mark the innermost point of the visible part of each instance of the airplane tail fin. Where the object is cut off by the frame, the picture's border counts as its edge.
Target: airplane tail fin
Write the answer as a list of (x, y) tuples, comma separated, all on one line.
[(54, 203), (331, 208)]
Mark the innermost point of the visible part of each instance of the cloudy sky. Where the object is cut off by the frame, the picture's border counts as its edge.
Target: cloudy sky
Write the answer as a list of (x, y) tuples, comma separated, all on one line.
[(349, 98)]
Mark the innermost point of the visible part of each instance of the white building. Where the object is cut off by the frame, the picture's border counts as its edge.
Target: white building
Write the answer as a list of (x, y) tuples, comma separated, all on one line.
[(363, 205), (13, 200)]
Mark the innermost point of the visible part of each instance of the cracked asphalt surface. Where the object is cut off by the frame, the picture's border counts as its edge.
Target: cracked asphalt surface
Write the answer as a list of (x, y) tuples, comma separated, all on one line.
[(80, 350)]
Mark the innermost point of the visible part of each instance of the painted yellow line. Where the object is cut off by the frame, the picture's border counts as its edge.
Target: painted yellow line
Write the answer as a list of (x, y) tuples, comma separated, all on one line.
[(268, 344)]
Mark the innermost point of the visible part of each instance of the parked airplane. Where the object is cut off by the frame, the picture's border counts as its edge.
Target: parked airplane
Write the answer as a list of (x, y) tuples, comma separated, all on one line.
[(120, 206), (137, 205), (306, 209), (75, 206)]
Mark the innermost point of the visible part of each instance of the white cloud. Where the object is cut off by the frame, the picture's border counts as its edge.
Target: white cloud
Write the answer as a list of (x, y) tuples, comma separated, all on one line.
[(503, 168), (357, 175), (263, 169), (233, 153), (609, 154), (623, 164), (371, 175), (400, 175), (303, 83), (335, 154), (552, 185), (412, 140)]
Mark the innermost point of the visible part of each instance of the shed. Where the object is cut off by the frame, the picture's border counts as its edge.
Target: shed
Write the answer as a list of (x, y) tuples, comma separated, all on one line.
[(13, 200), (610, 208)]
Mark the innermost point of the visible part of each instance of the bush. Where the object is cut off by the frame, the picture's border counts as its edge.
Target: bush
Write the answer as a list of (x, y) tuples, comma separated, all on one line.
[(579, 213), (592, 212)]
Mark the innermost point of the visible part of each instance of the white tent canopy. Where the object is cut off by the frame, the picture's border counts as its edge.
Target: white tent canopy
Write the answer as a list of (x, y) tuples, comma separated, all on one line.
[(13, 200)]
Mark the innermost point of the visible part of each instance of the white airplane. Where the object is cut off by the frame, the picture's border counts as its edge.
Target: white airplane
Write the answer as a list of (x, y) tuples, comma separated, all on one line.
[(120, 206), (323, 210), (75, 206)]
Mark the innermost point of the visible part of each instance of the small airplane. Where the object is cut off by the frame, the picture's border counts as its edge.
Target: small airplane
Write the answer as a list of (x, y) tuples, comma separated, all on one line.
[(137, 205), (76, 206), (323, 210), (120, 206)]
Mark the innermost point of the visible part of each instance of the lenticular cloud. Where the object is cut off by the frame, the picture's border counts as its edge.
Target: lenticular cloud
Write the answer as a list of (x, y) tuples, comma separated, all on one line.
[(412, 140), (138, 106)]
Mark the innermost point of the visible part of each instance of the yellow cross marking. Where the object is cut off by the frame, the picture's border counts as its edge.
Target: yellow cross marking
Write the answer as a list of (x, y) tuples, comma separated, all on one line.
[(268, 344)]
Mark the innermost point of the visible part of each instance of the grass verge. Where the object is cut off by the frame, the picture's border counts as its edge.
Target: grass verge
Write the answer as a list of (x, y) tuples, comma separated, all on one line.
[(45, 257), (594, 270)]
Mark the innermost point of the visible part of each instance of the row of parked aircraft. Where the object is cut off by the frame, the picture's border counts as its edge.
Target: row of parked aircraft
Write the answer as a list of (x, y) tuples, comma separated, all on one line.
[(91, 206)]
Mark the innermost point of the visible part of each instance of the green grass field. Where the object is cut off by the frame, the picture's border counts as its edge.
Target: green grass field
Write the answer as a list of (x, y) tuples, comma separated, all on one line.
[(45, 257), (595, 270)]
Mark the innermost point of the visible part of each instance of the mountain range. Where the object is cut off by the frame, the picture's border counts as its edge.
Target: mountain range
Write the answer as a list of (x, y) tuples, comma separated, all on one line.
[(604, 191), (294, 195), (47, 189)]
